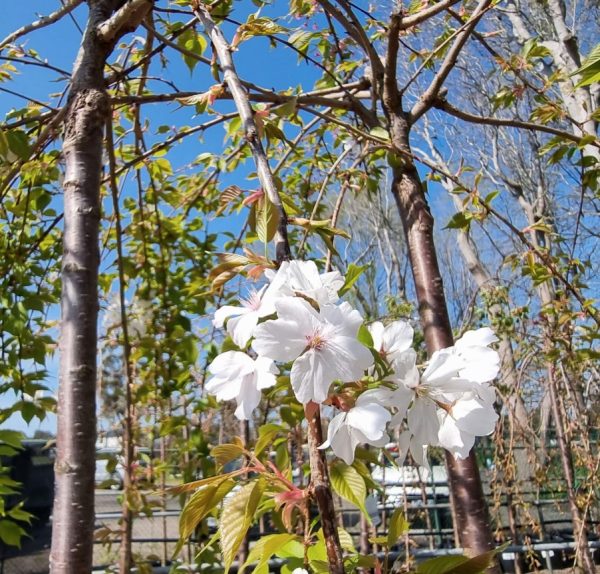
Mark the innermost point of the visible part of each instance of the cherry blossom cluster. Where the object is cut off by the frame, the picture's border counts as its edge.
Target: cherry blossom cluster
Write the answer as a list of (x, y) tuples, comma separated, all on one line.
[(296, 320)]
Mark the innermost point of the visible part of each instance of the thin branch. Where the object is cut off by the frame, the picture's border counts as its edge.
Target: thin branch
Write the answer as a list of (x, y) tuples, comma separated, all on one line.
[(38, 63), (41, 23), (170, 141), (330, 101), (240, 97), (391, 94), (542, 255), (324, 185), (426, 100), (127, 515), (46, 133), (422, 15), (442, 104)]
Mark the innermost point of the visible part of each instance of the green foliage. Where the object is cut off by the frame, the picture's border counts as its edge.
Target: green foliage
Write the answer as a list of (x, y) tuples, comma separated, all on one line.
[(590, 68), (347, 482), (237, 516)]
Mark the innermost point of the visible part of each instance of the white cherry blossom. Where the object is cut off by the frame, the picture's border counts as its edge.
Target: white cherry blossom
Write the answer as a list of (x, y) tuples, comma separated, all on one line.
[(481, 364), (393, 340), (322, 344), (242, 320), (365, 423), (470, 416), (451, 405), (237, 376), (304, 277)]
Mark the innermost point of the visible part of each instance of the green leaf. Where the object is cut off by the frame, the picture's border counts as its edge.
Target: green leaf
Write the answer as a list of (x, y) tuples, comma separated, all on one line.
[(380, 133), (264, 219), (188, 487), (364, 336), (17, 513), (460, 220), (225, 453), (590, 69), (347, 483), (353, 273), (266, 434), (236, 518), (200, 504), (193, 42), (268, 546), (458, 564), (12, 438), (11, 533), (397, 526)]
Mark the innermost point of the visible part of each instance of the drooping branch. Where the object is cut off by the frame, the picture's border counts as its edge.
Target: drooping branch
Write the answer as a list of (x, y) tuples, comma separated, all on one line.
[(240, 97), (41, 23)]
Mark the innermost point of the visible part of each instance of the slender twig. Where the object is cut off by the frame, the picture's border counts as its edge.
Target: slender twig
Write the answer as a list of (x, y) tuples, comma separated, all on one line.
[(45, 133), (170, 141), (41, 23), (324, 185), (126, 516)]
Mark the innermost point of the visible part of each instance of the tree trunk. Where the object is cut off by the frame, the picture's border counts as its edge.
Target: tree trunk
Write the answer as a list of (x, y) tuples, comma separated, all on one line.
[(87, 110), (470, 508)]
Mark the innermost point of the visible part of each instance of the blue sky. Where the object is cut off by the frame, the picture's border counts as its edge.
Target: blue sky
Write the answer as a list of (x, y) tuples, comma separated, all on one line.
[(59, 43), (277, 69)]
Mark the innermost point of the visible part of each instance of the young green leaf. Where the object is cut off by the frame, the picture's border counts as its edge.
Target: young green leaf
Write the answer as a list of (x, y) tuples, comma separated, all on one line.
[(347, 482), (238, 515)]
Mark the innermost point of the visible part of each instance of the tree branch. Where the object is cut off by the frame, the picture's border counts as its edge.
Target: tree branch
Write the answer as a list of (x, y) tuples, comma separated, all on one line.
[(329, 101), (426, 100), (125, 19), (422, 15), (240, 97), (41, 23), (443, 105)]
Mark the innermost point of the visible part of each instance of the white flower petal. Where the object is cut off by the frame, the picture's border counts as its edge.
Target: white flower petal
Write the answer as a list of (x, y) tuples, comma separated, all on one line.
[(452, 439), (227, 311), (346, 319), (443, 365), (405, 368), (482, 364), (247, 400), (477, 338), (381, 395), (474, 416), (284, 338), (348, 358), (376, 329), (370, 419), (224, 388), (241, 328), (266, 372), (423, 422), (397, 338), (311, 377), (231, 361)]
